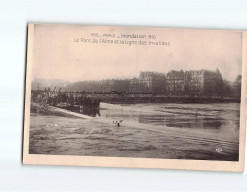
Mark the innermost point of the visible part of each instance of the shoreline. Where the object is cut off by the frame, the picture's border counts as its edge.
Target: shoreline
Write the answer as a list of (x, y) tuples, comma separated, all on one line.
[(150, 98)]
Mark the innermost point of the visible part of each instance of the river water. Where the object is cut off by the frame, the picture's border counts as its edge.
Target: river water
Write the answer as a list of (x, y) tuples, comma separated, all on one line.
[(170, 131)]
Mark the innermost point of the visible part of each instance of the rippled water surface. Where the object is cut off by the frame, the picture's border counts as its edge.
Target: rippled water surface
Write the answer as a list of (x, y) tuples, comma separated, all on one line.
[(175, 131)]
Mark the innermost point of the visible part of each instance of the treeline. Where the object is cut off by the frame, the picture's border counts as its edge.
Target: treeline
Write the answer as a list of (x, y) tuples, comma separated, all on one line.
[(232, 89), (227, 89)]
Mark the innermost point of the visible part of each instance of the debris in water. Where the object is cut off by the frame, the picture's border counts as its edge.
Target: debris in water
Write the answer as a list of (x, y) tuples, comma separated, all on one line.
[(219, 149)]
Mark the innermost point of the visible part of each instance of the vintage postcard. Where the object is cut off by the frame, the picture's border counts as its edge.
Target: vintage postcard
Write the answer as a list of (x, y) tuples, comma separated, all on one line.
[(140, 97)]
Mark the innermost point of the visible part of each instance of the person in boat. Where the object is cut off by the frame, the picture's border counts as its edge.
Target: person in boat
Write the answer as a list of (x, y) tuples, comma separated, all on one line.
[(117, 123)]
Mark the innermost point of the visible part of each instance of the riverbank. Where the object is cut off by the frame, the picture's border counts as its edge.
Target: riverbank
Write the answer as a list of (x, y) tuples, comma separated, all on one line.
[(151, 98)]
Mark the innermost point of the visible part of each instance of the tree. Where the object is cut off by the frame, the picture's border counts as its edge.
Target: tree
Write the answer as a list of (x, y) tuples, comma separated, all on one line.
[(237, 86)]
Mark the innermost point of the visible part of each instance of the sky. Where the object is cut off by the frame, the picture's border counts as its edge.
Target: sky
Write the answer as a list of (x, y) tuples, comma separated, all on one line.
[(58, 55)]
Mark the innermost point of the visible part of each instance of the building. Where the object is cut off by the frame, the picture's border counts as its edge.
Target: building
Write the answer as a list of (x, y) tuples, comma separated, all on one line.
[(176, 82), (121, 85), (152, 82), (134, 86), (194, 83), (115, 85), (107, 85)]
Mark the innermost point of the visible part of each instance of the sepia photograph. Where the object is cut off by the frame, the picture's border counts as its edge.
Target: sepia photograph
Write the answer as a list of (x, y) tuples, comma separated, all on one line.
[(123, 96), (134, 93)]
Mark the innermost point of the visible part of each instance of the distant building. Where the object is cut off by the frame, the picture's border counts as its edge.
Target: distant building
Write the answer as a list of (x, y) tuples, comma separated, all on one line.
[(194, 82), (175, 82), (134, 86), (115, 85), (121, 85), (107, 85), (152, 82)]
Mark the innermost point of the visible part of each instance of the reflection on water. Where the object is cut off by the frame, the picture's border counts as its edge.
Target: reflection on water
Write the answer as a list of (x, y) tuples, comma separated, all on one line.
[(216, 118), (205, 123), (93, 112)]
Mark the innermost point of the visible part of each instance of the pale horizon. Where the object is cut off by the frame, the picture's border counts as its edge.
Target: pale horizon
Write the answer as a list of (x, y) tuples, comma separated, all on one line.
[(57, 56), (122, 78)]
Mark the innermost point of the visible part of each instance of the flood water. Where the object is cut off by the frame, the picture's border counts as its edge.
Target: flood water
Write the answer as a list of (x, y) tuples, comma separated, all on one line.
[(170, 131)]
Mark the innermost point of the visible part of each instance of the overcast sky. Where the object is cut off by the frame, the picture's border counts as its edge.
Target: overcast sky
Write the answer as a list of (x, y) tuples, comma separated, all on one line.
[(57, 56)]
